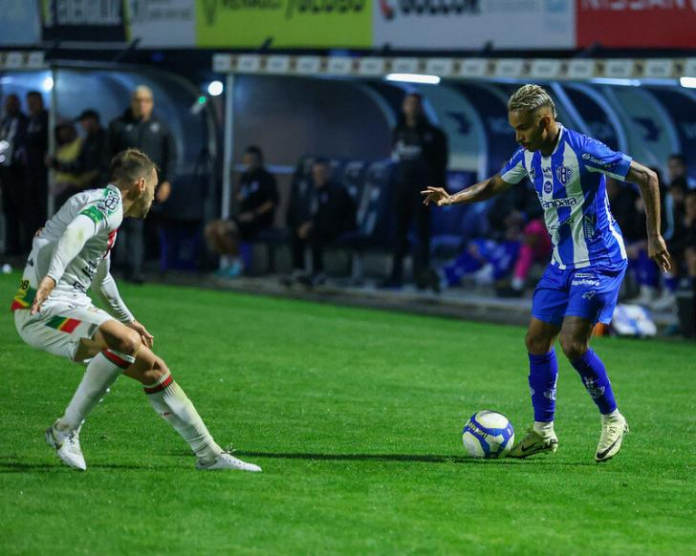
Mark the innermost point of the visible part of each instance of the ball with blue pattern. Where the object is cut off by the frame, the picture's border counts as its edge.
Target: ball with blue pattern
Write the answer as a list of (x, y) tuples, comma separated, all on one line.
[(488, 434)]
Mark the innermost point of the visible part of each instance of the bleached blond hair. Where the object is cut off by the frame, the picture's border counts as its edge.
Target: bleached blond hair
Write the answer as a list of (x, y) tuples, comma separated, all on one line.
[(529, 98)]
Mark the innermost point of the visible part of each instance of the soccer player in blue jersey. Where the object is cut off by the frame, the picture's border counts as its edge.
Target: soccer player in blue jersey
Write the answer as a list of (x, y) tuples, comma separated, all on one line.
[(581, 284)]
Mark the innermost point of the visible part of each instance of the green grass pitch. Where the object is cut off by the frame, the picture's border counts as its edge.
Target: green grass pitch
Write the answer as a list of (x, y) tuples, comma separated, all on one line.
[(355, 417)]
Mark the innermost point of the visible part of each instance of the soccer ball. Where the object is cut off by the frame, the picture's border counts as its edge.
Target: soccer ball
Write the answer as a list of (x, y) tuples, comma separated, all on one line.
[(488, 435)]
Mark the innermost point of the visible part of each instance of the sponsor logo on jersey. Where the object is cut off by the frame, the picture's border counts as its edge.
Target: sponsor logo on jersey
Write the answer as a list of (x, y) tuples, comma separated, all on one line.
[(559, 203), (548, 187), (586, 282)]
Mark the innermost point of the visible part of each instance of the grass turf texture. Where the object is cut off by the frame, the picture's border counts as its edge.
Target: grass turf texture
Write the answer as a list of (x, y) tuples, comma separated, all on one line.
[(355, 416)]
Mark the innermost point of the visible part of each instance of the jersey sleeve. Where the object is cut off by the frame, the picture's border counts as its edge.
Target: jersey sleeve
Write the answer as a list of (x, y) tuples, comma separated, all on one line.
[(514, 171), (70, 244), (597, 157), (106, 288)]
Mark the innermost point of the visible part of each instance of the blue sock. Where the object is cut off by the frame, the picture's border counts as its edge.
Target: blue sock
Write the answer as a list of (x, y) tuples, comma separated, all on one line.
[(594, 377), (543, 373)]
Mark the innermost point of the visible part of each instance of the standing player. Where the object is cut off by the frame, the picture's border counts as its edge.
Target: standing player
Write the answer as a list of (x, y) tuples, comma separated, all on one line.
[(53, 313), (581, 285)]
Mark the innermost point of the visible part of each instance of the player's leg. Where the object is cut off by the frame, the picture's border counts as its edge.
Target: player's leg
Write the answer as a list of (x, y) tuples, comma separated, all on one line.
[(592, 299), (548, 306), (110, 351), (170, 401)]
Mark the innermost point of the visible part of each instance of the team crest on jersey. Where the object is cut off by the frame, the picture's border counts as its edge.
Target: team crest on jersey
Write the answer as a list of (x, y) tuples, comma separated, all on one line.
[(111, 201), (563, 173)]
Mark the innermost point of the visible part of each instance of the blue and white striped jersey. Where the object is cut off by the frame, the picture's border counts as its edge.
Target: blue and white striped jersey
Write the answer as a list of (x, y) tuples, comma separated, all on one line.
[(571, 187)]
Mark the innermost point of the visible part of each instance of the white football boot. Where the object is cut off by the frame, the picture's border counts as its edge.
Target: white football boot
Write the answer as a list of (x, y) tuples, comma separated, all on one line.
[(67, 446), (534, 443), (227, 461), (614, 429)]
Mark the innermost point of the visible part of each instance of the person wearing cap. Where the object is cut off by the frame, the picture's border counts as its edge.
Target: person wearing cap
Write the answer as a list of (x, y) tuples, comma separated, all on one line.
[(90, 165)]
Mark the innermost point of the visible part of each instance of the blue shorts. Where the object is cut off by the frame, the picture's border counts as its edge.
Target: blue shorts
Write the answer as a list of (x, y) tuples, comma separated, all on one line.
[(590, 293)]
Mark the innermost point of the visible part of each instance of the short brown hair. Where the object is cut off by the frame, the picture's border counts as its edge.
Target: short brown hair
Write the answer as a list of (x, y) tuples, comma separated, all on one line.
[(130, 165)]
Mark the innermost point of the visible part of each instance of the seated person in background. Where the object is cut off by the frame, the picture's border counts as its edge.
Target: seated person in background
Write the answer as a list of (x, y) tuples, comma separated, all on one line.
[(90, 167), (256, 198), (517, 238), (333, 213)]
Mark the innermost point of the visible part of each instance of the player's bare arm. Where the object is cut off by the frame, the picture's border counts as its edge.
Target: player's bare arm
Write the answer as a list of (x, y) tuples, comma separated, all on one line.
[(650, 192), (481, 191)]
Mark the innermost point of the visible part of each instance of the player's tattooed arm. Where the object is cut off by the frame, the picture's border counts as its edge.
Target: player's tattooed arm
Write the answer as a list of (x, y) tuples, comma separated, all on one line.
[(649, 186), (478, 192)]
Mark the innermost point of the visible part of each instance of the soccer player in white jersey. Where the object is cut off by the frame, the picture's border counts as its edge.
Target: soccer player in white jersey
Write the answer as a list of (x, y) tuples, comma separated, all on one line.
[(53, 312), (581, 285)]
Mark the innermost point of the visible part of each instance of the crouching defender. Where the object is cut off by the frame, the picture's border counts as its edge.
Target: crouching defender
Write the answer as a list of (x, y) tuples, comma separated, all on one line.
[(581, 285), (54, 313)]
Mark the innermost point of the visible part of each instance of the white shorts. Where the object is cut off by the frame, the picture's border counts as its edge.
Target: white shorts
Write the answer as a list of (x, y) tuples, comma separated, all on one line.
[(59, 326)]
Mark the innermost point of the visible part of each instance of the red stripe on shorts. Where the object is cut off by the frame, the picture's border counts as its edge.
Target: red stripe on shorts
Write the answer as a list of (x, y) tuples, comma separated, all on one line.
[(70, 325)]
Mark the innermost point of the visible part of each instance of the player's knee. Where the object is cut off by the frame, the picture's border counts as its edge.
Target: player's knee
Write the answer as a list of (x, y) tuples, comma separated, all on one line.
[(211, 231), (573, 348), (129, 343), (537, 344)]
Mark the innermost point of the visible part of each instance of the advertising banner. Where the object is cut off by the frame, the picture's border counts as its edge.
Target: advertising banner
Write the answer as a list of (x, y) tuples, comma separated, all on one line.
[(284, 23), (637, 23), (19, 23), (469, 24), (162, 23), (82, 21)]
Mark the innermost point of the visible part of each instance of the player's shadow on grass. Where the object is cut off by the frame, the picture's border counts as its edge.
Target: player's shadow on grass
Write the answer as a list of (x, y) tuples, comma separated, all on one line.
[(370, 457), (7, 467)]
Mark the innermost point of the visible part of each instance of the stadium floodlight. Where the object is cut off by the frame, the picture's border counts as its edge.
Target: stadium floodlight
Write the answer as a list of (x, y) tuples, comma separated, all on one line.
[(615, 81), (215, 88), (413, 78), (688, 82), (47, 84)]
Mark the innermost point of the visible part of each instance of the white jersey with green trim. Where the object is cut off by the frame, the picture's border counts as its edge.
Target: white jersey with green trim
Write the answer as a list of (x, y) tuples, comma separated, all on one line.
[(75, 242)]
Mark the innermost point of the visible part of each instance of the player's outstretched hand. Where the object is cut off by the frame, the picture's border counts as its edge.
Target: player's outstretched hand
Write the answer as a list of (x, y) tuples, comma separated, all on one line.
[(436, 195), (657, 251), (45, 288), (147, 338)]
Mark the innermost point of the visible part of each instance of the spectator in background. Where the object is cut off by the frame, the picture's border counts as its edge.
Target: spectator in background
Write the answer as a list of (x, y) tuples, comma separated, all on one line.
[(90, 167), (139, 128), (68, 147), (332, 214), (517, 239), (420, 150), (13, 133), (256, 200), (37, 172), (678, 170)]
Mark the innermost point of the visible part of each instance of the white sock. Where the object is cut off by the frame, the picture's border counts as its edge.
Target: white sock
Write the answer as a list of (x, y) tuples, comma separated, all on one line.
[(611, 416), (101, 373), (543, 428), (517, 283), (226, 261), (171, 402)]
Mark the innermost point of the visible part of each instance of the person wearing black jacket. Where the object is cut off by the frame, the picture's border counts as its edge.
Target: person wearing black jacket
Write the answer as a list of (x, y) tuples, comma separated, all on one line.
[(420, 150), (92, 161), (36, 170), (333, 213), (256, 199), (13, 159), (139, 128)]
